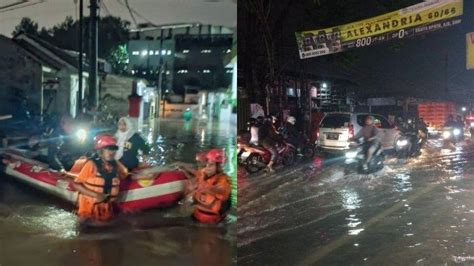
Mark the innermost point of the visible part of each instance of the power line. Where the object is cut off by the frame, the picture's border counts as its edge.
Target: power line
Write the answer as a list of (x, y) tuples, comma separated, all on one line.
[(131, 13)]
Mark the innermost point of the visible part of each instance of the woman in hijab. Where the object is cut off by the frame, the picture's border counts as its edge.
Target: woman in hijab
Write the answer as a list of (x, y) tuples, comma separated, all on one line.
[(129, 143)]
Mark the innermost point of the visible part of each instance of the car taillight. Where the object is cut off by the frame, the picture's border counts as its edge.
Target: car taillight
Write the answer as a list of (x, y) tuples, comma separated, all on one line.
[(351, 131)]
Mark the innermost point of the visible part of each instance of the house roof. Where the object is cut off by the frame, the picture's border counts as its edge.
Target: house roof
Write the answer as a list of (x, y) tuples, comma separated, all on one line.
[(48, 53)]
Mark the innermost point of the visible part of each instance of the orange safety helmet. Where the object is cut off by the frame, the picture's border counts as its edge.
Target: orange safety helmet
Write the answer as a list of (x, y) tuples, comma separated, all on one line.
[(216, 156), (105, 141)]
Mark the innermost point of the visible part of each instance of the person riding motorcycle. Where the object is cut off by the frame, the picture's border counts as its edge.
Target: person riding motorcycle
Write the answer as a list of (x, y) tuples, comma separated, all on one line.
[(294, 137), (254, 128), (269, 138), (371, 137)]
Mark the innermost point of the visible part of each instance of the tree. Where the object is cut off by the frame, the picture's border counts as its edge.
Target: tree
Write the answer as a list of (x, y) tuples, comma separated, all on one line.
[(27, 26), (112, 32), (118, 58)]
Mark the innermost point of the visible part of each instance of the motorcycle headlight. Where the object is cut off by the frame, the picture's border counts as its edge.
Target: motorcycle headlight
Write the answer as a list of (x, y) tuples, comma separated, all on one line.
[(456, 132), (402, 142), (446, 134), (81, 134), (351, 154)]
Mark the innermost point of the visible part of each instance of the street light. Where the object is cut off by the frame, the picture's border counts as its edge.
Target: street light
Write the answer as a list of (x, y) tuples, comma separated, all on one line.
[(463, 109), (325, 85)]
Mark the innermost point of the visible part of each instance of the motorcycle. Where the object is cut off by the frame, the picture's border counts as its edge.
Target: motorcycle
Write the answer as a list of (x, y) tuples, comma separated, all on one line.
[(408, 145), (355, 158), (255, 158), (308, 148), (452, 135)]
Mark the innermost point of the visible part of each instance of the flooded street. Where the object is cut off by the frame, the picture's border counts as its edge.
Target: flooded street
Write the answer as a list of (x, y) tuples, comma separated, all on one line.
[(36, 229), (419, 211)]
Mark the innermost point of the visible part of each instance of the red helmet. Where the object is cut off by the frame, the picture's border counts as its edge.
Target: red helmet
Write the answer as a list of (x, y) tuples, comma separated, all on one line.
[(105, 141), (216, 156)]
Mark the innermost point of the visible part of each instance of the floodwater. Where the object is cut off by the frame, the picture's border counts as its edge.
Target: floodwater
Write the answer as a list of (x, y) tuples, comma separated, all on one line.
[(419, 211), (36, 229)]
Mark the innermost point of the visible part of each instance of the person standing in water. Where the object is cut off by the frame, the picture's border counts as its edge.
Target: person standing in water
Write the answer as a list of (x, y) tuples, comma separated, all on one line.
[(129, 142), (99, 180)]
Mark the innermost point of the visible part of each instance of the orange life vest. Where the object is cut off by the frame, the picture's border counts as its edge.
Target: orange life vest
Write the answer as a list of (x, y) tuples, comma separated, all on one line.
[(104, 182), (212, 197)]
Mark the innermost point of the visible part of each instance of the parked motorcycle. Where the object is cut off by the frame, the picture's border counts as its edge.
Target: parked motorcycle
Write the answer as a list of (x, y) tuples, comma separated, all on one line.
[(355, 158), (256, 158)]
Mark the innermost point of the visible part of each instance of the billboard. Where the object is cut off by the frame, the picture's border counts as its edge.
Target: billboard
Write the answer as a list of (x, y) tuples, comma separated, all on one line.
[(417, 19), (470, 50)]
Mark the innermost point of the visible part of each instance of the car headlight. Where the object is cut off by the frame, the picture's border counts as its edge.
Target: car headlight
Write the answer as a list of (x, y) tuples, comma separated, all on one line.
[(456, 131), (351, 154), (446, 134), (81, 134), (402, 142)]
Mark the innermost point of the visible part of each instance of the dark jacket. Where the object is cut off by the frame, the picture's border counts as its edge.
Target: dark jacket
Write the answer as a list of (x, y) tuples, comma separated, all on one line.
[(130, 151)]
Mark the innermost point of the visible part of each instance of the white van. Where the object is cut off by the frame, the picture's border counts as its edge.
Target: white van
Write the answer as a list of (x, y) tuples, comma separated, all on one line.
[(336, 129)]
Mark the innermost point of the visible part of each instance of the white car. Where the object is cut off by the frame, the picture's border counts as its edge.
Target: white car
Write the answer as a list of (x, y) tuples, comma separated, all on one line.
[(336, 129)]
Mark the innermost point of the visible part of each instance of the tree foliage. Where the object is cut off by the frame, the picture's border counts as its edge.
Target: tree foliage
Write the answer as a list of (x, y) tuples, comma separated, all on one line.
[(112, 32)]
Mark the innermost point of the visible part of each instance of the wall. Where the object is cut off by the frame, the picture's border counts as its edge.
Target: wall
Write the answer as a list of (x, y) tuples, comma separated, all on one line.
[(114, 93), (18, 72)]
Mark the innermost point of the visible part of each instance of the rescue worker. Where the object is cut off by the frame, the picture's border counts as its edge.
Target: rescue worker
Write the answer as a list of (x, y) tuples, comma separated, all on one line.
[(371, 137), (129, 142), (63, 150), (213, 188), (98, 181)]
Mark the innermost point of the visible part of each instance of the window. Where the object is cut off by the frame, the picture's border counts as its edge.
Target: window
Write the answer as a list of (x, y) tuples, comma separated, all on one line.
[(182, 71), (135, 53), (163, 52), (206, 51), (206, 71), (335, 121), (150, 52), (228, 51), (229, 71), (144, 52), (168, 52), (185, 51)]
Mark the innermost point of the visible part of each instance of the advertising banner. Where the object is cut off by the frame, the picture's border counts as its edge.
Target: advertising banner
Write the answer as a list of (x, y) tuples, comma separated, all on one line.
[(414, 20), (470, 50)]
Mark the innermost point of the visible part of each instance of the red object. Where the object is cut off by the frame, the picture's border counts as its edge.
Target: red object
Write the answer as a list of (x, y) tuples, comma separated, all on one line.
[(104, 141), (207, 218), (351, 131), (165, 190), (201, 156), (134, 104), (216, 156), (436, 113)]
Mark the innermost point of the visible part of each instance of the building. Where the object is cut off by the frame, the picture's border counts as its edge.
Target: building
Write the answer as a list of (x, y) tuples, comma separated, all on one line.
[(190, 57), (44, 78)]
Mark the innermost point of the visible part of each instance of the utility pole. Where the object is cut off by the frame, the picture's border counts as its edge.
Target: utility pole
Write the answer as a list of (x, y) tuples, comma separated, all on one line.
[(81, 17), (93, 40)]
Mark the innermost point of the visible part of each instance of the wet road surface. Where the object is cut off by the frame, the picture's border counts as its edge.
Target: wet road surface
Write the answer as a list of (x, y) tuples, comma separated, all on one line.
[(36, 229), (419, 211)]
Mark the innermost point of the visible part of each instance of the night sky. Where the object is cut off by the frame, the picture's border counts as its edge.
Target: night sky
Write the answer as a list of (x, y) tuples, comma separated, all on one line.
[(414, 67), (50, 12)]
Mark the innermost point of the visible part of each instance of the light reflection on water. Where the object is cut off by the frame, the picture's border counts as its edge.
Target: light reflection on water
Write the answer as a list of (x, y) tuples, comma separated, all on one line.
[(166, 236)]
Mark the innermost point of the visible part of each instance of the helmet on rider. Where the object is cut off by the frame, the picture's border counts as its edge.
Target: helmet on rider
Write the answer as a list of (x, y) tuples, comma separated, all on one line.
[(105, 141), (216, 156), (291, 120)]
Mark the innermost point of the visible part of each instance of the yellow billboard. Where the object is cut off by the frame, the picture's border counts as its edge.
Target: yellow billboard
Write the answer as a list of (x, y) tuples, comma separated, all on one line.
[(407, 22), (470, 50)]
